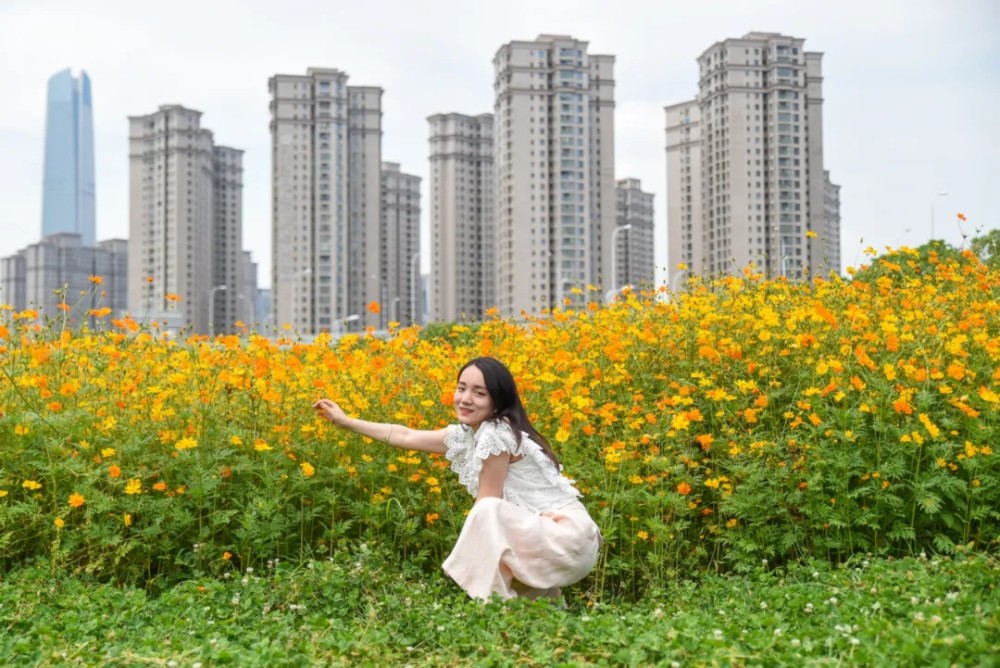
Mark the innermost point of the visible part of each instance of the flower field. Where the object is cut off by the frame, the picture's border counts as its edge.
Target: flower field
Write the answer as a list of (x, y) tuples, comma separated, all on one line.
[(742, 420)]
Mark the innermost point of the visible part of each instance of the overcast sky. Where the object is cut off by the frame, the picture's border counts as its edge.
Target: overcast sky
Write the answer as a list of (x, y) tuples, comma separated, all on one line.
[(911, 90)]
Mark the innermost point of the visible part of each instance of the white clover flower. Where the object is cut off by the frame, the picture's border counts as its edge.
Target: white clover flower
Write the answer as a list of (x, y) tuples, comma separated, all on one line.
[(796, 642), (855, 641), (717, 634), (918, 616), (763, 605), (832, 600), (935, 619), (778, 632)]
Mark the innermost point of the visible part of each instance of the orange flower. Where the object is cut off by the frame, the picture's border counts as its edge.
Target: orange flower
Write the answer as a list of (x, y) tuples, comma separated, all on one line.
[(226, 556), (172, 297), (160, 486), (432, 518), (374, 307), (307, 469), (961, 217), (683, 489), (76, 500), (115, 471), (96, 280)]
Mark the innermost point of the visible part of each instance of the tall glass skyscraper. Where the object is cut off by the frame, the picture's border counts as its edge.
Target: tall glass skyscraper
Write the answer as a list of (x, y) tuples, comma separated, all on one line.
[(68, 187)]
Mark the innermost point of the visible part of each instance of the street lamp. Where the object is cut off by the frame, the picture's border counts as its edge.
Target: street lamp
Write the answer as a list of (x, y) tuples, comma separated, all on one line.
[(614, 248), (933, 202), (395, 308), (676, 279), (610, 294), (211, 308), (253, 308), (340, 322), (414, 316)]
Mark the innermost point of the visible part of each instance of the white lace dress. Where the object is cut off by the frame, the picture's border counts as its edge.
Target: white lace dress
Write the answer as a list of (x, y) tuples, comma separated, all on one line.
[(537, 538)]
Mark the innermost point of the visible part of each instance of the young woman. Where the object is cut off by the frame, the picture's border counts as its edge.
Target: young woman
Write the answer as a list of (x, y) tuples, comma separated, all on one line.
[(527, 533)]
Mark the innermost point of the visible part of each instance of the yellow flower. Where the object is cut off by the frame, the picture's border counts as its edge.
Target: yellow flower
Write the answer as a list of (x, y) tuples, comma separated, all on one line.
[(235, 440), (989, 395), (21, 430), (59, 522), (186, 444), (134, 486), (127, 518), (261, 446), (31, 485), (76, 500), (731, 523), (3, 493), (108, 452), (811, 234), (643, 535), (307, 469), (226, 556)]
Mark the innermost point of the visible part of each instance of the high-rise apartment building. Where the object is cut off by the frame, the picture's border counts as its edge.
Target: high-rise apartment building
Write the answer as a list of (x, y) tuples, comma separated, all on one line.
[(59, 270), (634, 239), (745, 161), (831, 234), (400, 270), (228, 260), (326, 223), (463, 217), (68, 183), (554, 161), (185, 222)]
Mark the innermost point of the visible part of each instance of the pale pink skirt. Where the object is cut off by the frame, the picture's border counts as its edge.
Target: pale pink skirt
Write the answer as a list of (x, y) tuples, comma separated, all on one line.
[(506, 550)]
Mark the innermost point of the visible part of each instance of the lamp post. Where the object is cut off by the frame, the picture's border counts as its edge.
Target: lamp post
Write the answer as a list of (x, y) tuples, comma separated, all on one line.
[(340, 322), (395, 308), (674, 281), (253, 307), (781, 247), (414, 316), (211, 308), (610, 294), (933, 202), (614, 248)]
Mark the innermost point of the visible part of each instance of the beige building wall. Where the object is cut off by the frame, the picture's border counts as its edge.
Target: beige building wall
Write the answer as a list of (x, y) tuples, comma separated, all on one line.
[(463, 217), (400, 254), (554, 161), (170, 218), (227, 246), (326, 160), (634, 245), (684, 202), (760, 125)]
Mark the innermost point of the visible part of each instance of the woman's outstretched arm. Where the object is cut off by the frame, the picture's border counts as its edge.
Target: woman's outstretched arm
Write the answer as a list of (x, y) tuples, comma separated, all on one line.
[(395, 435)]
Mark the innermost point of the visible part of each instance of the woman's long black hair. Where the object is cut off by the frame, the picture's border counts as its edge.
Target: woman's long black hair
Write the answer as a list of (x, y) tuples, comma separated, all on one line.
[(507, 402)]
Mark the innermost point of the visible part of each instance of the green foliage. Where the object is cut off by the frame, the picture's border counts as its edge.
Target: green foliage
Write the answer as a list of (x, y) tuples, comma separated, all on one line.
[(367, 608)]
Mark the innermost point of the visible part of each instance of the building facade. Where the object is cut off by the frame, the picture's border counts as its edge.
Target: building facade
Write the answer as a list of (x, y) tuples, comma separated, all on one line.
[(463, 217), (68, 188), (634, 242), (326, 223), (831, 234), (185, 222), (60, 270), (400, 260), (554, 162), (748, 151)]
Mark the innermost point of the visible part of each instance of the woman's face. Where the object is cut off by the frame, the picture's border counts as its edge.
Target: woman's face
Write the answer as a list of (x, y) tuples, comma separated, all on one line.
[(473, 403)]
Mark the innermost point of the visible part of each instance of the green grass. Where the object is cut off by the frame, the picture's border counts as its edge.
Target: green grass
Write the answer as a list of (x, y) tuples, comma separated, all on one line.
[(364, 609)]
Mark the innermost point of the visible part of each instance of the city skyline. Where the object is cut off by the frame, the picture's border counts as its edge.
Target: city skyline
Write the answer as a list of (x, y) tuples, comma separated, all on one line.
[(899, 122)]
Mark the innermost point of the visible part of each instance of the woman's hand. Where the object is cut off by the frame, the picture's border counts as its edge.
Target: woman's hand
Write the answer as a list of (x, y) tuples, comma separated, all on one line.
[(331, 411)]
